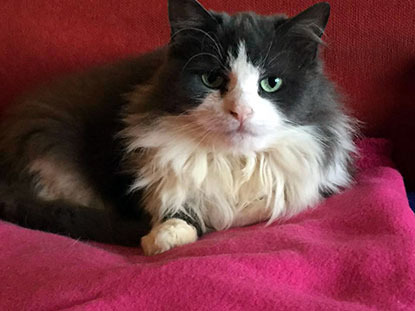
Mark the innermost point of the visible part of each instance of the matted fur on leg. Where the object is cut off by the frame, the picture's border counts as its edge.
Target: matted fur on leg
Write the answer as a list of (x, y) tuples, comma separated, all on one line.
[(57, 181), (171, 233)]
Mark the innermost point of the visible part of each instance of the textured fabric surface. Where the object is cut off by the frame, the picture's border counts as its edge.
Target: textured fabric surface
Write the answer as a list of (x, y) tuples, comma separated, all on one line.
[(371, 50), (356, 251)]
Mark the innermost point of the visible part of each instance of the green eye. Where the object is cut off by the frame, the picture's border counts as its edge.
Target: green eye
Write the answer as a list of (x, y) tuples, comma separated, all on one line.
[(271, 84), (212, 80)]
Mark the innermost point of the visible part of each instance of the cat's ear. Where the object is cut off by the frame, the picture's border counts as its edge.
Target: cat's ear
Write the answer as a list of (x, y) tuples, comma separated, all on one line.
[(187, 14), (315, 18), (307, 28)]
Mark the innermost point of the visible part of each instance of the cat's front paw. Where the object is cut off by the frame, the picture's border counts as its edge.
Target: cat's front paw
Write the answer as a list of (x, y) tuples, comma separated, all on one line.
[(171, 233)]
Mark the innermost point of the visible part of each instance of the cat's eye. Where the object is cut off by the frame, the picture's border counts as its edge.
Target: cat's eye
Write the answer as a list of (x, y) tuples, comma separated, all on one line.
[(212, 80), (271, 84)]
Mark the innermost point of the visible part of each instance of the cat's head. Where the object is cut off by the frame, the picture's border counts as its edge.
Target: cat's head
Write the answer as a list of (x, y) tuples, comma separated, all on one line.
[(234, 82)]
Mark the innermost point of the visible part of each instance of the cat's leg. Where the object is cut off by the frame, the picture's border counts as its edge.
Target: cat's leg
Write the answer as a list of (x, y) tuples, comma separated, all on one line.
[(60, 181), (252, 214), (175, 230), (168, 234)]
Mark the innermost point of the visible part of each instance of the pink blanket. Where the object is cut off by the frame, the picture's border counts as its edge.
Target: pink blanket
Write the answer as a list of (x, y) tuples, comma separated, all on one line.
[(354, 252)]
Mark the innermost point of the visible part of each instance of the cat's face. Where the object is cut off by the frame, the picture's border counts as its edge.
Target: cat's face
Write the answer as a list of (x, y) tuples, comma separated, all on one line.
[(240, 80)]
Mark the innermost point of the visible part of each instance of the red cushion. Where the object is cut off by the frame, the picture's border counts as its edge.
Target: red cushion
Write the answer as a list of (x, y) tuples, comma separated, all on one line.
[(371, 49)]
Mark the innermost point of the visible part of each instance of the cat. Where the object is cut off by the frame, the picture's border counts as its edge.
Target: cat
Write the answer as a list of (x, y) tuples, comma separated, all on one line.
[(232, 123)]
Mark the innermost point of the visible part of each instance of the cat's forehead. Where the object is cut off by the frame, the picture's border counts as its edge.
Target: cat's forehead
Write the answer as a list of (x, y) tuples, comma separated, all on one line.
[(255, 31), (250, 23), (216, 45)]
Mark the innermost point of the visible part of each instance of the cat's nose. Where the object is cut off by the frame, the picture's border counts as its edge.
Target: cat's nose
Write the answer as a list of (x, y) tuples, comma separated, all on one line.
[(241, 113)]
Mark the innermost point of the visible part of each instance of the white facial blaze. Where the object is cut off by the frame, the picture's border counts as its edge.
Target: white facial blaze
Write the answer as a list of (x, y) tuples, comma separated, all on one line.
[(242, 96), (244, 85)]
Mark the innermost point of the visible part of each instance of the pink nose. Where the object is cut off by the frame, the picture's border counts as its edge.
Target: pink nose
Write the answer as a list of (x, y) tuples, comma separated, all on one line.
[(241, 113)]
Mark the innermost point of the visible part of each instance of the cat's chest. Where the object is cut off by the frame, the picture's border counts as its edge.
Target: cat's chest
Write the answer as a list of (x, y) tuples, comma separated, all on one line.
[(234, 191), (254, 212), (225, 190), (236, 180)]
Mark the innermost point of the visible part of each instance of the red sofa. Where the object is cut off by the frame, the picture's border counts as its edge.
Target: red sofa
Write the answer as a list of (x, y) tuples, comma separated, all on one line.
[(371, 50), (371, 56)]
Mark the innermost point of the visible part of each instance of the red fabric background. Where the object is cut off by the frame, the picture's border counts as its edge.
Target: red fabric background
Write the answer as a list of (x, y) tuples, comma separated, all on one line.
[(371, 50)]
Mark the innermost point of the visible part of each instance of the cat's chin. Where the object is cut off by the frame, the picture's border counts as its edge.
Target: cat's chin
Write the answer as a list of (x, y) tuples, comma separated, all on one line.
[(228, 136), (240, 140), (244, 142), (242, 133)]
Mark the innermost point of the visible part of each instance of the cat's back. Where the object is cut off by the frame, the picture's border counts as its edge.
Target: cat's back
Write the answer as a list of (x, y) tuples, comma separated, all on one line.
[(102, 86), (72, 116)]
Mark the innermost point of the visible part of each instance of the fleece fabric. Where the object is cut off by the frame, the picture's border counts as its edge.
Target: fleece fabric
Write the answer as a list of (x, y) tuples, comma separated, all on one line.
[(355, 251)]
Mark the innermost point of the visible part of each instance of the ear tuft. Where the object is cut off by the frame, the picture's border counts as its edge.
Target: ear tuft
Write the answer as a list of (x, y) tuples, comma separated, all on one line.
[(187, 14), (315, 17), (305, 30)]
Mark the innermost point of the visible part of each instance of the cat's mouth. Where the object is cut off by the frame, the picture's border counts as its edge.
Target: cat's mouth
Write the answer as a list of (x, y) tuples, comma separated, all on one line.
[(241, 131), (231, 132)]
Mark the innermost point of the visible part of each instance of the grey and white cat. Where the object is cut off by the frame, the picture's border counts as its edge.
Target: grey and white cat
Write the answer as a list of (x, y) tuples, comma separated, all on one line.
[(230, 124)]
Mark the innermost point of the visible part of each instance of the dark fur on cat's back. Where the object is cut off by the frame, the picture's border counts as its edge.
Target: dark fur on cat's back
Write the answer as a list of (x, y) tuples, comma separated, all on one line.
[(77, 121), (80, 127)]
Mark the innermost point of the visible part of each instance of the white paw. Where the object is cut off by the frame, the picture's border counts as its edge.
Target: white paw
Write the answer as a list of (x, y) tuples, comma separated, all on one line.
[(171, 233)]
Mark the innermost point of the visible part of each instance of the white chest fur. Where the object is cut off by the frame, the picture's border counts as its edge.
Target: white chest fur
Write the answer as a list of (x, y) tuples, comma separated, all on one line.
[(226, 189)]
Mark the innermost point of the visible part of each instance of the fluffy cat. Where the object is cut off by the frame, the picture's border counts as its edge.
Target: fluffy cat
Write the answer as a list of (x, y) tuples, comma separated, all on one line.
[(230, 124)]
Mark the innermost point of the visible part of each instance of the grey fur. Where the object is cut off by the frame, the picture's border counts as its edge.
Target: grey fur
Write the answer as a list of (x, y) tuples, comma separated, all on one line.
[(76, 120)]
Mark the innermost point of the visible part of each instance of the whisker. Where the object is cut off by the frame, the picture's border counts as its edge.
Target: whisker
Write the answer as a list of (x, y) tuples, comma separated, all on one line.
[(201, 54), (276, 56), (190, 128), (267, 54), (201, 140), (217, 45)]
